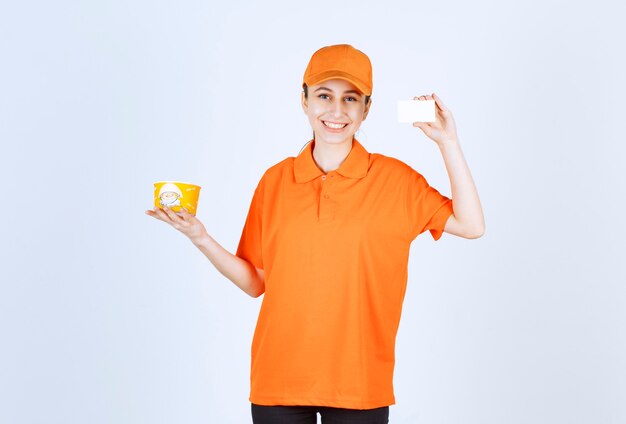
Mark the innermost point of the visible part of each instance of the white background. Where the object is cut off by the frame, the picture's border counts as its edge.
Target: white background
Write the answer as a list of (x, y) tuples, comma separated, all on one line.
[(110, 316)]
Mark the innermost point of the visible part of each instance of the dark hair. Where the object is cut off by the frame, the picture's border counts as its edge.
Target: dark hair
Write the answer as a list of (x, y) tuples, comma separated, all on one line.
[(306, 93)]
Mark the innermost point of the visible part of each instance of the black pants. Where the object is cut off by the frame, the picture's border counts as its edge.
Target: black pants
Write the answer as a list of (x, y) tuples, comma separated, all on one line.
[(308, 415)]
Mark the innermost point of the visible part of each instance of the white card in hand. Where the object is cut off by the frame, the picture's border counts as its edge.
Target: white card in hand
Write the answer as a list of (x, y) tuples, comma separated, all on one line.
[(416, 111)]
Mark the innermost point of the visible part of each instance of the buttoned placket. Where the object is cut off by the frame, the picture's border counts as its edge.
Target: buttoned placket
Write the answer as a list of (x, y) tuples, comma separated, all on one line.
[(326, 201)]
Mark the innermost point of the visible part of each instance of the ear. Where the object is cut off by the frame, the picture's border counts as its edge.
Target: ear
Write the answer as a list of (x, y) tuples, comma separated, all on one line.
[(305, 103), (367, 109)]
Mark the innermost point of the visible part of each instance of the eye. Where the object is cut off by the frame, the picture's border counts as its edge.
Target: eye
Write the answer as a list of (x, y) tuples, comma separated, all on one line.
[(352, 99), (323, 96)]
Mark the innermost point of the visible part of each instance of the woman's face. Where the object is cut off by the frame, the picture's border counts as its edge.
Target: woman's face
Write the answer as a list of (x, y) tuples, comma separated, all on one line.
[(335, 109)]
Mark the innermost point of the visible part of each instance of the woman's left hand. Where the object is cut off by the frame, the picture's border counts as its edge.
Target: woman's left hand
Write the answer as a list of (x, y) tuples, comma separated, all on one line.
[(443, 130)]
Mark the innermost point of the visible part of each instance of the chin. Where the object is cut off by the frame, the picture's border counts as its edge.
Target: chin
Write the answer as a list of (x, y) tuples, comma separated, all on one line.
[(333, 141), (334, 138)]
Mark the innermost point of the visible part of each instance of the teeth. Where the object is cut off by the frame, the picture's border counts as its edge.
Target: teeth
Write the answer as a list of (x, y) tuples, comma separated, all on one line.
[(334, 126)]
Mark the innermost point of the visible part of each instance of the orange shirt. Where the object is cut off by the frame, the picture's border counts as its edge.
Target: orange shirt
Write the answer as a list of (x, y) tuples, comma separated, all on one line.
[(335, 252)]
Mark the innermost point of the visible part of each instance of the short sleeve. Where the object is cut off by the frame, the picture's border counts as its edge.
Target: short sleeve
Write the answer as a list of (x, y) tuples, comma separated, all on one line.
[(427, 208), (250, 246)]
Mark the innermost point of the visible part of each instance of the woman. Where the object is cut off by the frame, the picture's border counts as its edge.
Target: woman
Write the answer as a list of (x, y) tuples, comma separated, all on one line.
[(327, 241)]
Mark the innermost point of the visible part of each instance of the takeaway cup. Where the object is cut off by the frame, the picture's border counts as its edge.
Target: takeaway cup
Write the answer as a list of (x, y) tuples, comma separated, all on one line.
[(176, 195)]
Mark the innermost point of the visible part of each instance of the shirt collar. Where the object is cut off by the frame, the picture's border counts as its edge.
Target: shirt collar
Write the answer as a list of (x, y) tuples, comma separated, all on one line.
[(354, 166)]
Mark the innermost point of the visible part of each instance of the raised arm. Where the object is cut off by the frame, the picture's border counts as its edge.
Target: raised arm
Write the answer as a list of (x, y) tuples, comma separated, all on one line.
[(467, 220), (241, 272)]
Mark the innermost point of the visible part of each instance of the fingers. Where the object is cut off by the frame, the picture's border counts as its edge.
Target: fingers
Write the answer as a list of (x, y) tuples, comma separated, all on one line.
[(157, 213), (165, 214), (436, 98), (175, 218)]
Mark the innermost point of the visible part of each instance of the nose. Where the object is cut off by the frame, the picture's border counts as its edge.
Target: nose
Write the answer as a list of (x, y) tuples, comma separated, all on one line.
[(338, 107)]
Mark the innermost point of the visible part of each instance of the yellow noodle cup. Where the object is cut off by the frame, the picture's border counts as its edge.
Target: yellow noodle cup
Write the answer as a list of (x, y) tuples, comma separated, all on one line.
[(176, 195)]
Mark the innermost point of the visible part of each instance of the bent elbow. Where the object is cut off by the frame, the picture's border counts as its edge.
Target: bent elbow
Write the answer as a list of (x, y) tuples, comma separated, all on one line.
[(257, 293), (256, 284), (256, 290), (476, 233)]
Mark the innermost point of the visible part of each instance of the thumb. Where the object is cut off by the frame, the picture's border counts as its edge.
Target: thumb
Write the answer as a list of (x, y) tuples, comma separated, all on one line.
[(421, 125), (424, 127)]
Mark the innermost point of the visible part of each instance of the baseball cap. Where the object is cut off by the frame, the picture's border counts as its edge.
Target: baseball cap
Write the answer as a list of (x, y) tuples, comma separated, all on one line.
[(340, 61)]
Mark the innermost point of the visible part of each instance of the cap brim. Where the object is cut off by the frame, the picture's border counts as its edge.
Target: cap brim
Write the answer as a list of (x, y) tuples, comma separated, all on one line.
[(328, 75)]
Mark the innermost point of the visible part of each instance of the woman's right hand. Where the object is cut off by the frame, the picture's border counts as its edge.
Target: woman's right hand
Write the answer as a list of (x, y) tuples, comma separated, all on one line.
[(183, 221)]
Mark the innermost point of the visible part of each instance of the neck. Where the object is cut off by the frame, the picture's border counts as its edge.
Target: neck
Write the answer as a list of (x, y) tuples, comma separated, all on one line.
[(329, 157)]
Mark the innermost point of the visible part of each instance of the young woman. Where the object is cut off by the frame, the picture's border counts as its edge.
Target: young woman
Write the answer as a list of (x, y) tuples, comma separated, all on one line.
[(327, 240)]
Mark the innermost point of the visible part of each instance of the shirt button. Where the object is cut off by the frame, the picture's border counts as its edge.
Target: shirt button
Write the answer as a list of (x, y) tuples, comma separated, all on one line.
[(323, 177), (326, 196)]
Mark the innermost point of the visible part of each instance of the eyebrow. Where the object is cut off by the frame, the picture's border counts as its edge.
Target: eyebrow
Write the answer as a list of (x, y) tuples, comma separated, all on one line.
[(345, 92)]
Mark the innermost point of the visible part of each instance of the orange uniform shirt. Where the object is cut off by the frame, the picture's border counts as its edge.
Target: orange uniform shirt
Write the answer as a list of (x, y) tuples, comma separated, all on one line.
[(335, 252)]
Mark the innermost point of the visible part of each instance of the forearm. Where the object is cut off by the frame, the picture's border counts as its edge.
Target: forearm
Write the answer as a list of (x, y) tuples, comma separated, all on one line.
[(241, 272), (465, 200)]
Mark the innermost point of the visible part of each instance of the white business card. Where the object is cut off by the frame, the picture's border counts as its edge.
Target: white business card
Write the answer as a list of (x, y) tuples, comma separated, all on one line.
[(416, 111)]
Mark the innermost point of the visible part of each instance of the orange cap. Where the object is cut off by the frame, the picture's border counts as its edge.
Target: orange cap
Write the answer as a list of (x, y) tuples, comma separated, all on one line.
[(340, 61)]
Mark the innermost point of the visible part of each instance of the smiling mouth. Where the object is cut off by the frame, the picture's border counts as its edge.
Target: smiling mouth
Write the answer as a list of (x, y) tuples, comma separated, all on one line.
[(334, 126)]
